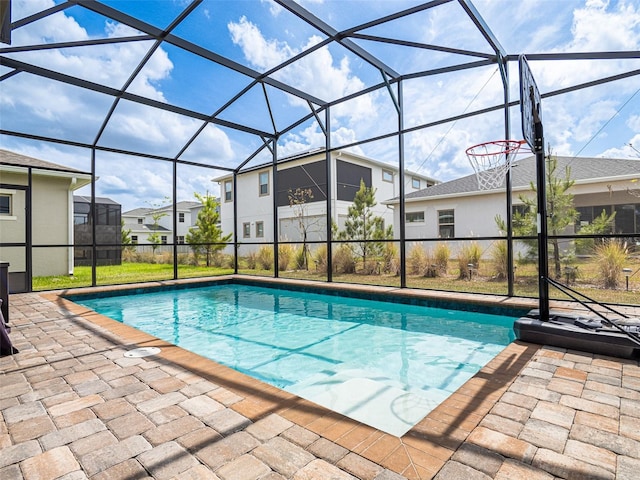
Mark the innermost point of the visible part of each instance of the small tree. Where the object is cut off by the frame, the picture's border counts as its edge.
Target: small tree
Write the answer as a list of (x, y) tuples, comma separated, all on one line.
[(560, 211), (156, 215), (206, 235), (363, 227), (298, 201), (603, 223), (125, 236)]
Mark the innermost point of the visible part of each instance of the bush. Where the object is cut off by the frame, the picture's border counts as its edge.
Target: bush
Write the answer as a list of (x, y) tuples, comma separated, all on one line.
[(264, 257), (469, 254), (301, 259), (286, 252), (611, 257), (343, 260), (441, 257), (391, 259), (320, 258), (499, 258), (416, 260), (252, 260)]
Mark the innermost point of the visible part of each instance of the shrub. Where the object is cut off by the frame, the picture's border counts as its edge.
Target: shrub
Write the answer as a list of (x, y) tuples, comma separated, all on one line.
[(499, 258), (343, 260), (301, 259), (320, 258), (441, 257), (469, 254), (391, 259), (251, 260), (264, 257), (416, 260), (286, 252), (611, 257)]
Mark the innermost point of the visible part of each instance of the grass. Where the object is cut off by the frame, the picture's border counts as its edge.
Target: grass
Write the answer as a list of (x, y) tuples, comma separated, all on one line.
[(124, 273), (480, 282)]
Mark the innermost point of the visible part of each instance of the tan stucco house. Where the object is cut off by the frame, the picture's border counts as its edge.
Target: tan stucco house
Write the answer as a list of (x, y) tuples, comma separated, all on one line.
[(36, 216)]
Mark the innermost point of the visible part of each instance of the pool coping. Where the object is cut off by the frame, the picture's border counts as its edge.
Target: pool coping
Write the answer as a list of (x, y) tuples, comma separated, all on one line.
[(424, 449)]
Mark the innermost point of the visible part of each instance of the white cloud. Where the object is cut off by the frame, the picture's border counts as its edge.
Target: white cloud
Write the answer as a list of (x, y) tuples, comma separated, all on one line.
[(318, 73)]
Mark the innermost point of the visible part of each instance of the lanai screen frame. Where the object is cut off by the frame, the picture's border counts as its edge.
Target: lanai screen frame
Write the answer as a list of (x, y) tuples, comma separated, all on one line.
[(319, 109)]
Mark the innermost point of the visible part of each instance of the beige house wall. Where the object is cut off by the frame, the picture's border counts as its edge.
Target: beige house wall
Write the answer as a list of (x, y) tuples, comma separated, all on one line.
[(52, 221)]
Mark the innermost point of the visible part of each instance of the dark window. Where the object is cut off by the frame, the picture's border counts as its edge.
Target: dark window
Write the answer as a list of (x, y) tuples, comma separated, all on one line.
[(246, 230), (140, 221), (134, 238), (627, 217), (520, 209), (180, 240), (414, 217), (181, 217), (446, 224), (311, 176), (163, 239), (349, 176), (5, 204)]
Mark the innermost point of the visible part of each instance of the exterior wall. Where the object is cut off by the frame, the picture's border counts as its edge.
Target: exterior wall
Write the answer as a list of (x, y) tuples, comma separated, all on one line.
[(51, 208), (474, 214), (254, 207), (13, 228), (190, 217)]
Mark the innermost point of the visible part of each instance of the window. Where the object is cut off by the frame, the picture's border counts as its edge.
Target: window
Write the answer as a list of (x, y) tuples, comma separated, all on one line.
[(140, 221), (521, 210), (263, 180), (445, 224), (387, 176), (415, 182), (259, 229), (134, 238), (246, 230), (5, 204), (180, 239), (181, 217), (414, 217), (163, 239), (228, 191)]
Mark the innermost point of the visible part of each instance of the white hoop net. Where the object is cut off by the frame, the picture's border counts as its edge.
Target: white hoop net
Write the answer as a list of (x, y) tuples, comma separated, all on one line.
[(491, 161)]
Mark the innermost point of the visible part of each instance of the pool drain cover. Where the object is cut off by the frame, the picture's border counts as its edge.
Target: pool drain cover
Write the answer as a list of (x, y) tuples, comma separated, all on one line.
[(142, 352)]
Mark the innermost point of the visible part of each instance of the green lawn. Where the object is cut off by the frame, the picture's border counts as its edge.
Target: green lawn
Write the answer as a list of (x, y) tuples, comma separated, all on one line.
[(125, 273), (525, 286)]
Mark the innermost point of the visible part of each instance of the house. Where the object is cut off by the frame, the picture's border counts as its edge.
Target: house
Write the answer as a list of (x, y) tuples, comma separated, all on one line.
[(308, 171), (36, 217), (108, 230), (143, 222), (459, 209)]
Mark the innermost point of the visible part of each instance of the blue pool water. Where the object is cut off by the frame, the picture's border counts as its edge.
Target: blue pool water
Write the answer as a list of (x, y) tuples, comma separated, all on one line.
[(343, 353)]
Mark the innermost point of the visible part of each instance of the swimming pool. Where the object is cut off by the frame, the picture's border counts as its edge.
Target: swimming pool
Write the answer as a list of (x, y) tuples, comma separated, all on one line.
[(385, 364)]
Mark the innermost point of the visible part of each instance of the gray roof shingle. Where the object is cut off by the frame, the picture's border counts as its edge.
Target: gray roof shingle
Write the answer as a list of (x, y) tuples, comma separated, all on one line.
[(524, 171)]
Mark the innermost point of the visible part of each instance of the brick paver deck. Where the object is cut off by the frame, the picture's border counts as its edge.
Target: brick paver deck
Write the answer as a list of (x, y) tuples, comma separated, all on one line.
[(72, 406)]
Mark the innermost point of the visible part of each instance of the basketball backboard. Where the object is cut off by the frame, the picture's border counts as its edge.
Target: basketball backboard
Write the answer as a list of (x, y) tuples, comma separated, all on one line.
[(530, 106)]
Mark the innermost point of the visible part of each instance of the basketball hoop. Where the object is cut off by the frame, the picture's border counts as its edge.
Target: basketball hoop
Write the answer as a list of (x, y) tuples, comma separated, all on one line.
[(491, 161)]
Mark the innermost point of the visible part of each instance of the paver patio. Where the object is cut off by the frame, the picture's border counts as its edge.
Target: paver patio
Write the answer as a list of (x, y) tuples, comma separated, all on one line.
[(72, 406)]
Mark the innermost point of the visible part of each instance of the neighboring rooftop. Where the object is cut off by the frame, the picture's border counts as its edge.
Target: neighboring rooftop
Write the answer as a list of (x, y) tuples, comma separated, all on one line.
[(16, 159), (524, 171)]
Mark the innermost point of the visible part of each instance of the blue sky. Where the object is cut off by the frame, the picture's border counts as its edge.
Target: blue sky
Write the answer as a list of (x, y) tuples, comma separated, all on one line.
[(600, 121)]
